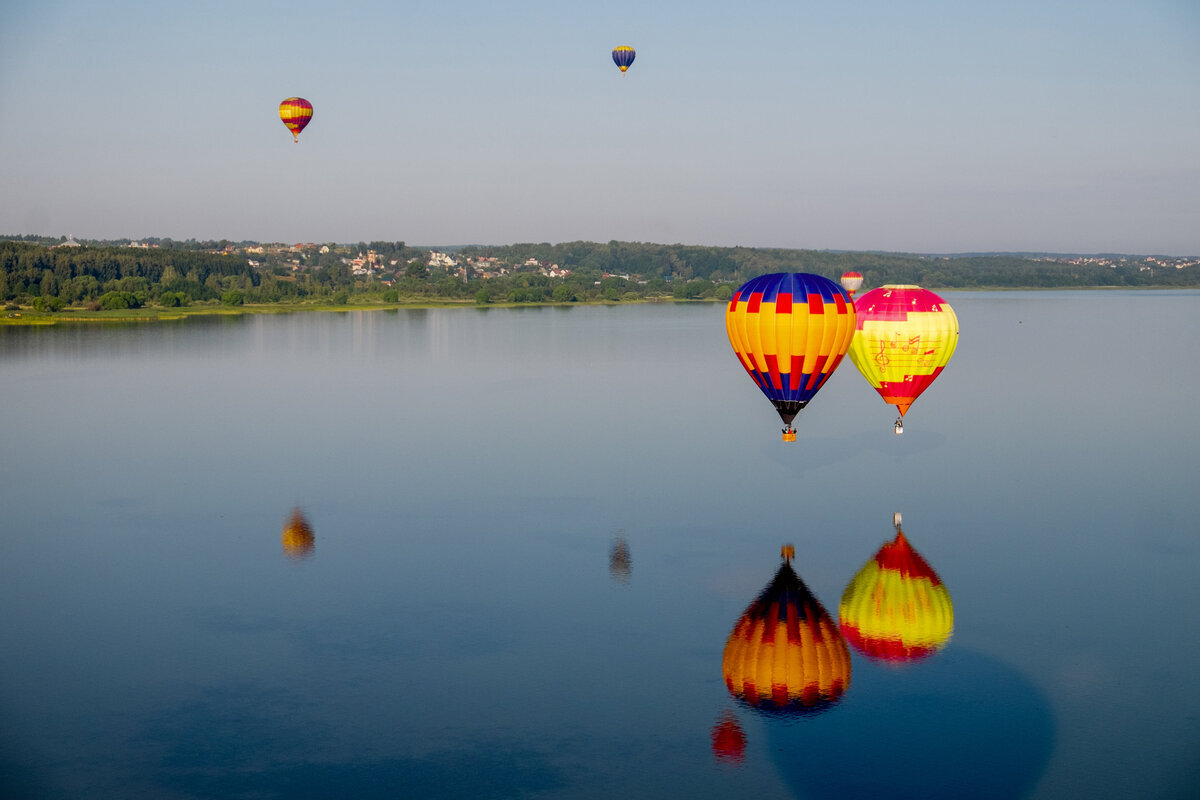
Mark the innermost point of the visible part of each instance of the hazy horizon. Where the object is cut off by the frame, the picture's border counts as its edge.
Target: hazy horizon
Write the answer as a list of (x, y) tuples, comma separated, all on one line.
[(483, 245)]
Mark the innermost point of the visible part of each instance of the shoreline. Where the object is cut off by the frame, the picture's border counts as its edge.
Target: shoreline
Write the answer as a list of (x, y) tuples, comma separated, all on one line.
[(29, 317), (32, 318)]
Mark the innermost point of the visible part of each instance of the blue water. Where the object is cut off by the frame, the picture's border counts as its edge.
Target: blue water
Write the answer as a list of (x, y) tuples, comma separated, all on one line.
[(460, 627)]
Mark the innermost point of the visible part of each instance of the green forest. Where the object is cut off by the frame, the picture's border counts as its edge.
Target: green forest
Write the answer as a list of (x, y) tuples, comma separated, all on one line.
[(50, 276)]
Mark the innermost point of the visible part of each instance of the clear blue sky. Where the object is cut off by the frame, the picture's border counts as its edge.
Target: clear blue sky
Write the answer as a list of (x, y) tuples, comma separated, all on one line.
[(932, 126)]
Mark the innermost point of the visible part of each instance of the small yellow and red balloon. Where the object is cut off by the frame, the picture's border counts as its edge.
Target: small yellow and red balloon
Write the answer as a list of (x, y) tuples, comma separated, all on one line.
[(295, 113)]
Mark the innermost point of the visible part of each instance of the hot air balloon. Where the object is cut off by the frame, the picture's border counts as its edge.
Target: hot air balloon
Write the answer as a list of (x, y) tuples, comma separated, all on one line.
[(298, 538), (623, 56), (896, 609), (904, 339), (790, 331), (851, 281), (295, 113), (785, 654)]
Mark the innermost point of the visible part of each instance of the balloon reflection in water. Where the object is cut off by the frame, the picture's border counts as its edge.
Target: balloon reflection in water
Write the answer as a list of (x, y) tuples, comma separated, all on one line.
[(620, 562), (785, 654), (728, 739), (896, 609), (298, 538)]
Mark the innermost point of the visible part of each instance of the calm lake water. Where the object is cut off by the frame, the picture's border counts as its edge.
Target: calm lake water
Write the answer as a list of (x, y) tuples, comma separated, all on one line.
[(533, 531)]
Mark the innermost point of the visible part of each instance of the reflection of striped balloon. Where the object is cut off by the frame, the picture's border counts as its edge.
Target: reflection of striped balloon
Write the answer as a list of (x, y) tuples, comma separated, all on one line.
[(298, 538), (905, 336), (296, 112), (790, 332), (785, 654), (896, 608), (623, 56)]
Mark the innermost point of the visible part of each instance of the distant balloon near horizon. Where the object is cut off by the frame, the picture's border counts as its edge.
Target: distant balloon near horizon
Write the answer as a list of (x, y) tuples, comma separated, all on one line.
[(851, 281), (790, 331), (904, 337), (623, 56), (295, 113)]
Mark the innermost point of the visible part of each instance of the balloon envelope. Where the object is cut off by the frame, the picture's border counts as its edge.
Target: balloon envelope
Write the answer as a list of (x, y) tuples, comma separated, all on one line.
[(790, 331), (896, 609), (623, 56), (904, 337), (295, 112), (785, 654), (851, 281)]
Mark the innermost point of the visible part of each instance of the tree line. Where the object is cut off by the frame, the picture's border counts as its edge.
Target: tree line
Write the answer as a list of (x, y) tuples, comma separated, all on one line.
[(738, 264), (111, 277)]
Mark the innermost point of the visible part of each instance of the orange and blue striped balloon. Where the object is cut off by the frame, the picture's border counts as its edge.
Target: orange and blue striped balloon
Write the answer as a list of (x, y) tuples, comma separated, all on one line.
[(623, 56), (295, 112), (790, 331)]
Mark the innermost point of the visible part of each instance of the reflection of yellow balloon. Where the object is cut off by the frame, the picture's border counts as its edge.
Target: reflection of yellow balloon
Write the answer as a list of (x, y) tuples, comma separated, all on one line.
[(896, 608), (298, 538), (785, 653)]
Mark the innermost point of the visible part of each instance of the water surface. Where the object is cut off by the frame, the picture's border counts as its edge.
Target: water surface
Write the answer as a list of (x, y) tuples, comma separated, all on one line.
[(461, 625)]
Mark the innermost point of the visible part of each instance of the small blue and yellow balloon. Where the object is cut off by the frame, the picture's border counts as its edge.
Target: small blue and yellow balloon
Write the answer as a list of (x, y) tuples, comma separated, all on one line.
[(623, 56)]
